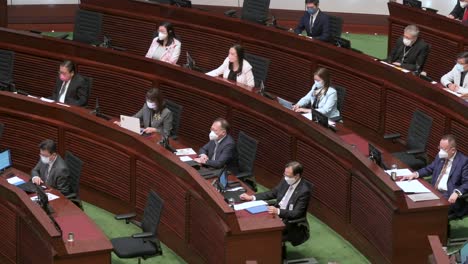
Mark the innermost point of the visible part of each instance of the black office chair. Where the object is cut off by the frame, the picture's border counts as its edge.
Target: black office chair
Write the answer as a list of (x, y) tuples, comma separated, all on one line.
[(418, 134), (260, 67), (87, 27), (176, 115), (2, 127), (247, 152), (75, 166), (89, 80), (7, 59), (255, 11), (143, 245), (341, 94), (336, 28)]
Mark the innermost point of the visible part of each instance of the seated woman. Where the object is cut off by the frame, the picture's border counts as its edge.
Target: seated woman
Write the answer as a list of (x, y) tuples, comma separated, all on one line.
[(235, 67), (321, 97), (154, 115), (165, 46)]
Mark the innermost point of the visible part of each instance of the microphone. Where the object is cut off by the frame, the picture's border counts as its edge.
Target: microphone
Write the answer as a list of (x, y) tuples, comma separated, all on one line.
[(165, 143), (97, 110)]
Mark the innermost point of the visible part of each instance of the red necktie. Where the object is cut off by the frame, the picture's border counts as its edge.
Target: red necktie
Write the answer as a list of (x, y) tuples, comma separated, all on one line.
[(465, 16)]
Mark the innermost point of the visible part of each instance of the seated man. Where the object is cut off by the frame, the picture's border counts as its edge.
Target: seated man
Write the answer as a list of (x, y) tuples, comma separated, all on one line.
[(221, 150), (292, 200), (71, 88), (315, 22), (449, 172), (459, 12), (51, 169), (456, 80), (410, 51)]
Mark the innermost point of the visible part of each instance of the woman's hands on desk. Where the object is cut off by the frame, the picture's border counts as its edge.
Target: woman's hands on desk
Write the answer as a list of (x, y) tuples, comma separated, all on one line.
[(453, 87), (117, 123), (149, 130), (298, 109)]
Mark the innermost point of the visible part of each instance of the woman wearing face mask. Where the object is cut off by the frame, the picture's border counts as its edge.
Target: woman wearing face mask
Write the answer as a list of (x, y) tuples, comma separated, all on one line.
[(154, 115), (459, 11), (165, 46), (235, 67), (321, 97)]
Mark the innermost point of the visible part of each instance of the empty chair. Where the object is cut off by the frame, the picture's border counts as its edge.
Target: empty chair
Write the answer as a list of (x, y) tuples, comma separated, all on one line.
[(7, 59), (336, 27), (247, 152), (255, 11), (341, 94), (418, 134), (75, 166), (260, 67), (87, 27), (146, 244), (176, 115)]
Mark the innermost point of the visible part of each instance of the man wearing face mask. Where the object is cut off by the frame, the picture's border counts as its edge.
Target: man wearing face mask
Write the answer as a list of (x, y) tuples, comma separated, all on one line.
[(410, 51), (71, 88), (314, 22), (51, 168), (221, 150), (460, 12), (456, 80), (292, 196), (449, 173)]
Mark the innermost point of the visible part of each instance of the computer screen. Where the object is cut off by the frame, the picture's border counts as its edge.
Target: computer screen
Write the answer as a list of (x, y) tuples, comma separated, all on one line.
[(223, 179), (5, 159), (412, 3), (319, 118)]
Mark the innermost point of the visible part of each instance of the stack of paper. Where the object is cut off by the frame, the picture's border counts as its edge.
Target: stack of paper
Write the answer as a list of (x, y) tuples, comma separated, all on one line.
[(185, 152), (412, 187), (423, 197), (15, 181), (185, 158), (50, 196), (246, 205), (400, 172)]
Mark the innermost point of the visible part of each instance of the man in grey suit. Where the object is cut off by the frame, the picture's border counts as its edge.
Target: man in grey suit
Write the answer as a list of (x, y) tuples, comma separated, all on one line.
[(456, 80), (51, 168)]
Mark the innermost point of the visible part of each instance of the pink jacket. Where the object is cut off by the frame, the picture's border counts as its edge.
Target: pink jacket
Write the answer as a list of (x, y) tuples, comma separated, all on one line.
[(171, 55), (245, 77)]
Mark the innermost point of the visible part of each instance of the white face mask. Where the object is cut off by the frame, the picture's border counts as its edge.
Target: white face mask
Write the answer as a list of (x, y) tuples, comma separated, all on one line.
[(213, 136), (289, 180), (162, 36), (406, 41), (443, 154), (45, 160), (318, 84), (459, 67), (463, 4), (151, 105)]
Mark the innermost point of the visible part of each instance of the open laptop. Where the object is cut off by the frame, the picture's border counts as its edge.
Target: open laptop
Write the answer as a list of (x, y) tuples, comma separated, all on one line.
[(5, 160), (285, 103), (131, 123)]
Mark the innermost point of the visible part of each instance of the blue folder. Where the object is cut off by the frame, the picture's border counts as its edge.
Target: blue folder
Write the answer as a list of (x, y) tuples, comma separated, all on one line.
[(257, 209)]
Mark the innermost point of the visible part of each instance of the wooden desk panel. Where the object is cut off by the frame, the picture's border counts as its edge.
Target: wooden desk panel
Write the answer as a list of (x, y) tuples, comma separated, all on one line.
[(8, 233)]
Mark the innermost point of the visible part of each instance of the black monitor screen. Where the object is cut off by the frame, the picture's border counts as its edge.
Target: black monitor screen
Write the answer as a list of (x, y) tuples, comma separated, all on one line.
[(412, 3), (5, 159), (375, 155), (319, 118)]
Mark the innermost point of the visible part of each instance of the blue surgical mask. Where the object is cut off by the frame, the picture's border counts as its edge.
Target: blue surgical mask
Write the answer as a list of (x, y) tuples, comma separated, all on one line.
[(459, 67), (311, 10), (318, 84)]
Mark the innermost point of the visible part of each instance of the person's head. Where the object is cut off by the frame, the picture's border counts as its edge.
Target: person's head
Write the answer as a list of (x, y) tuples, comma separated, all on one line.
[(292, 172), (312, 6), (48, 151), (236, 55), (410, 35), (463, 3), (66, 71), (166, 33), (154, 99), (219, 129), (462, 62), (447, 146), (322, 78)]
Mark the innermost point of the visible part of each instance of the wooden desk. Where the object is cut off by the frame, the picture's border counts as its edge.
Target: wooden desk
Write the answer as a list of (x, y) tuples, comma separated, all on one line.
[(3, 13), (29, 236)]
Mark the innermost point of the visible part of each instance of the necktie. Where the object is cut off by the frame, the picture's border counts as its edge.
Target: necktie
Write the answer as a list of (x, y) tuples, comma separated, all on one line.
[(216, 148), (465, 15), (62, 90), (47, 173), (442, 172), (284, 202), (311, 23)]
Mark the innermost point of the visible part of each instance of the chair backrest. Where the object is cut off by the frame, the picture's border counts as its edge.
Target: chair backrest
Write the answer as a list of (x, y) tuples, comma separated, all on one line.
[(419, 131), (2, 127), (74, 165), (176, 115), (152, 213), (260, 67), (336, 27), (87, 27), (7, 59), (341, 94), (255, 10), (247, 151), (89, 80)]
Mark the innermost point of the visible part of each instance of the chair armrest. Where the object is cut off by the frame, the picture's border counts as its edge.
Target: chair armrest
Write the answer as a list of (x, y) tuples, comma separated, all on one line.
[(415, 151), (71, 196), (392, 136), (299, 220), (125, 217), (230, 13), (143, 235), (242, 175)]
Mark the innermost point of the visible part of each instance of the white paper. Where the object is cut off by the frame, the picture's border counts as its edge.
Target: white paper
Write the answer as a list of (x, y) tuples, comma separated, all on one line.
[(423, 197), (47, 100), (185, 152), (185, 158), (63, 104), (235, 189), (15, 180), (307, 115), (32, 96), (413, 186), (400, 172), (394, 66), (246, 205), (452, 92), (50, 196)]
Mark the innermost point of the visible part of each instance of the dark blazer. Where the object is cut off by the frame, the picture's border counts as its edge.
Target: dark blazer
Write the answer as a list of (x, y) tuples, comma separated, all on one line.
[(458, 177), (77, 93), (59, 176), (415, 58), (299, 232), (162, 121), (321, 28), (226, 153), (458, 11)]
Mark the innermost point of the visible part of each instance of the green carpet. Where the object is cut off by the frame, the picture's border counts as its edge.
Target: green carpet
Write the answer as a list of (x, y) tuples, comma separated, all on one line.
[(373, 45)]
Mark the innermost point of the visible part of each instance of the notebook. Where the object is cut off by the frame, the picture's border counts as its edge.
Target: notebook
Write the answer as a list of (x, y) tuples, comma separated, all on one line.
[(257, 209)]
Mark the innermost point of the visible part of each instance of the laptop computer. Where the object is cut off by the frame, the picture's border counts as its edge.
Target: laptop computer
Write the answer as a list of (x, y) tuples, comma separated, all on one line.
[(5, 160), (131, 123), (285, 103), (223, 186)]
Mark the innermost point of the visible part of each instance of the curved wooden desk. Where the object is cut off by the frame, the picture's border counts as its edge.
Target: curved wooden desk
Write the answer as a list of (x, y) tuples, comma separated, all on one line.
[(352, 195)]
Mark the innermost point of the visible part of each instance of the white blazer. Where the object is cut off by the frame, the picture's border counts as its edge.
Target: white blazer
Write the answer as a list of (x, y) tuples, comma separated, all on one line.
[(327, 105), (170, 55), (454, 77), (245, 77)]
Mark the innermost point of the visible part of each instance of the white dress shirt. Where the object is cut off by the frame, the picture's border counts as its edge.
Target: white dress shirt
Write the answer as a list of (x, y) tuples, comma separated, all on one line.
[(443, 181)]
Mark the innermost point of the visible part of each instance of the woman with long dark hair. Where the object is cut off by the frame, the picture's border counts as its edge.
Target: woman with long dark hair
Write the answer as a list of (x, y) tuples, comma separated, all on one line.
[(165, 46)]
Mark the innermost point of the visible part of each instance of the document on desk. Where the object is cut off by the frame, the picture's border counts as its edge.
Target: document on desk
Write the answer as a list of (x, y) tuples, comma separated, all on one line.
[(185, 158), (50, 196), (418, 197), (15, 180), (394, 66), (185, 152), (452, 92), (246, 205), (412, 187), (400, 172), (47, 100)]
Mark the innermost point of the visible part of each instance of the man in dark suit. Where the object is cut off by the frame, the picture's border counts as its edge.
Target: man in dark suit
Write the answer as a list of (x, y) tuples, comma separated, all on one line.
[(315, 22), (70, 88), (51, 169), (221, 150), (410, 51), (460, 12), (449, 173), (292, 200)]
